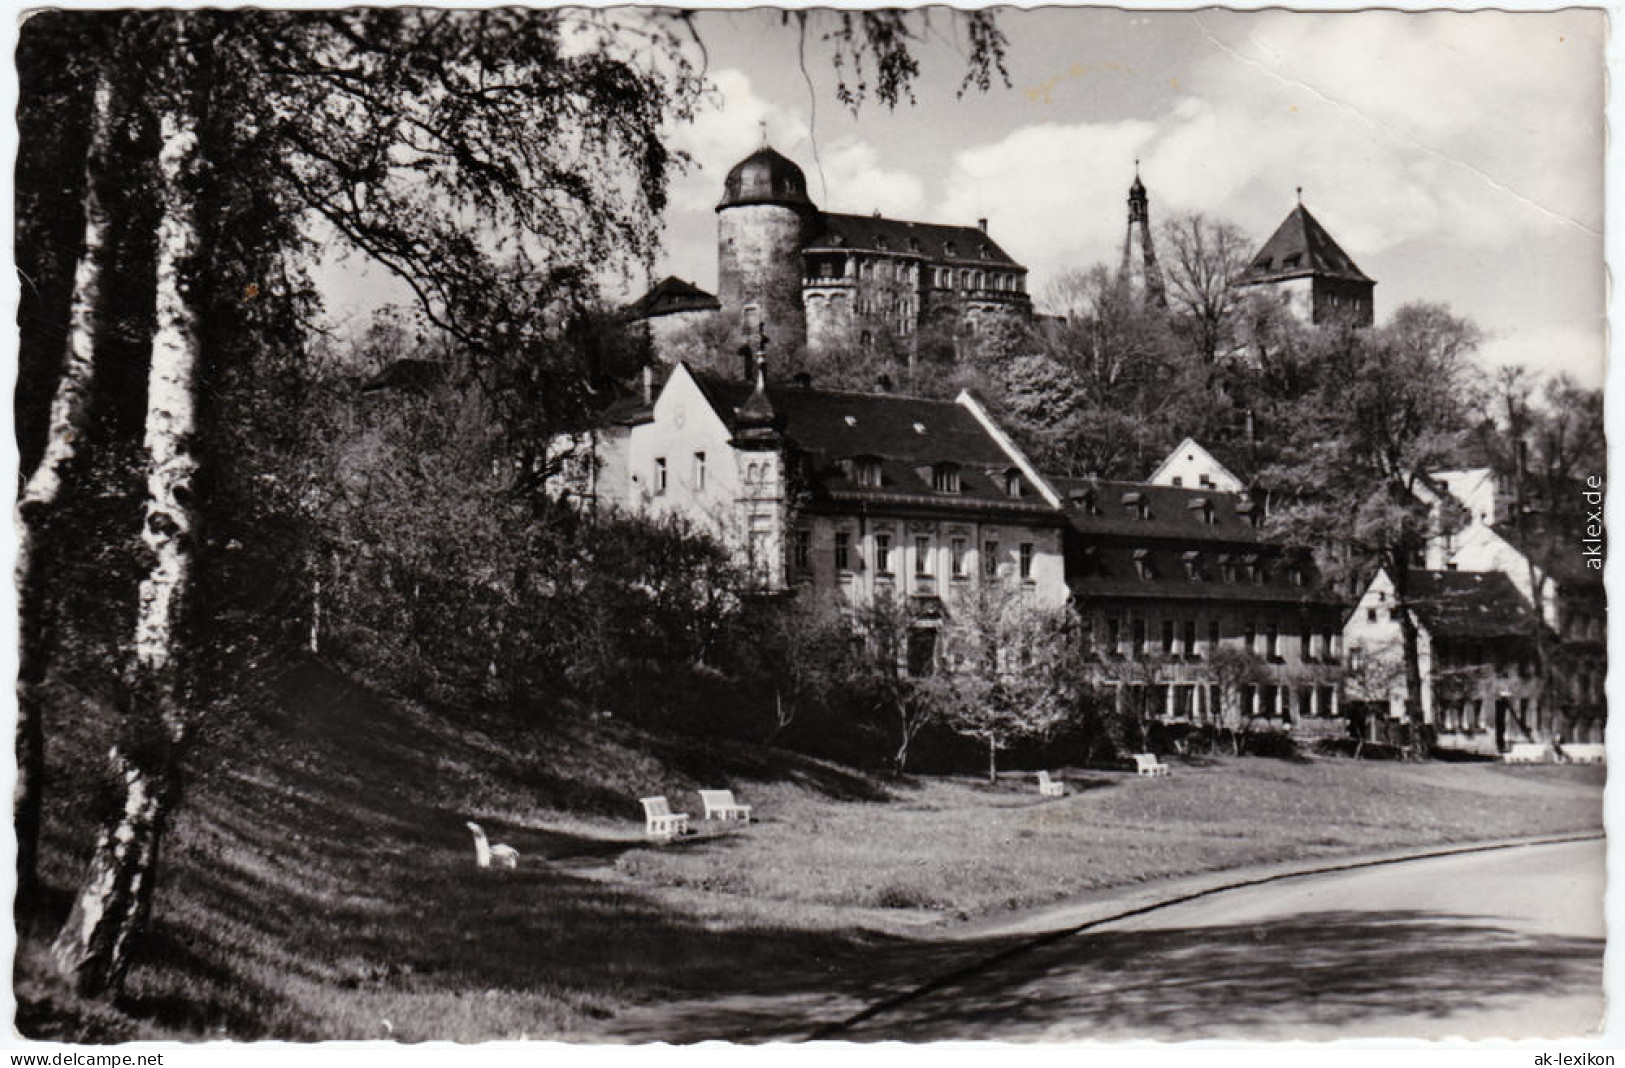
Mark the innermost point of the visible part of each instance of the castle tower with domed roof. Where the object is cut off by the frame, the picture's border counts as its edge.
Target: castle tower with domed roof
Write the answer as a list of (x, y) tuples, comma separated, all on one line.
[(763, 220)]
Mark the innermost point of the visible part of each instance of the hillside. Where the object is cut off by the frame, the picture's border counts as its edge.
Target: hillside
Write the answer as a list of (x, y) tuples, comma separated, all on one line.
[(320, 883)]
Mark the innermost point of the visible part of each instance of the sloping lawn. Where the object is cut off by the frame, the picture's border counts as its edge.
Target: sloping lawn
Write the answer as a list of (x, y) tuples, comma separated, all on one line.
[(319, 882), (961, 849)]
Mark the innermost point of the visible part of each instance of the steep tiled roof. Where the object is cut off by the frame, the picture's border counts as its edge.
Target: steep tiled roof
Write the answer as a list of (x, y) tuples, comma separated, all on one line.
[(1098, 507), (1469, 604), (670, 295), (1300, 247), (967, 244), (909, 436), (1114, 571)]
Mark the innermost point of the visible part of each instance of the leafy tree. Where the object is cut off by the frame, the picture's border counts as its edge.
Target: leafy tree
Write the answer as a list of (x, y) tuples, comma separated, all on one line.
[(1235, 671), (1012, 671), (1390, 404), (884, 630)]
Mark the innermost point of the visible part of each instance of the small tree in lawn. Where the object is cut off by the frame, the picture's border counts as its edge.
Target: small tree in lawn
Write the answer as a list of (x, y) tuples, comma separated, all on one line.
[(884, 629), (802, 645), (1234, 671), (1012, 672)]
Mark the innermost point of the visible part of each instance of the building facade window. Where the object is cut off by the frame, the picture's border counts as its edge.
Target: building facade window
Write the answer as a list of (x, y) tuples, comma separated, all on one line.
[(1139, 637), (1114, 636), (801, 550), (883, 554), (1167, 637), (957, 551), (922, 556), (990, 559), (1272, 637), (1190, 638), (699, 470), (660, 474), (1212, 635), (843, 551), (1250, 631), (1027, 560)]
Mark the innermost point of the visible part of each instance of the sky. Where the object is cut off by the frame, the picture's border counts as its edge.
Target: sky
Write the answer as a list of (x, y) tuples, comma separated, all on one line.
[(1457, 157)]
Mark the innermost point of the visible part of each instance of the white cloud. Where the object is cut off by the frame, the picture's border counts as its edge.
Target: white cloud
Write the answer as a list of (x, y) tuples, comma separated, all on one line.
[(1052, 193), (1401, 128), (859, 183), (726, 129), (1551, 350)]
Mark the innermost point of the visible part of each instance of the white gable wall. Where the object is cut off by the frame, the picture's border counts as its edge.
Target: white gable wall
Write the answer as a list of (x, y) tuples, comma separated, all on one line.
[(1188, 464)]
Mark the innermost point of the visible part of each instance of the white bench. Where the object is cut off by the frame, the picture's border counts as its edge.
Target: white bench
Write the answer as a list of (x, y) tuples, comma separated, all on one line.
[(1527, 753), (1148, 764), (720, 805), (1048, 787), (660, 820), (1585, 753)]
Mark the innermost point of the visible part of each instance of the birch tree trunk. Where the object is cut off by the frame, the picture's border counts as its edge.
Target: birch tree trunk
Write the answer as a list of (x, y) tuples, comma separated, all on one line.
[(93, 948), (35, 561)]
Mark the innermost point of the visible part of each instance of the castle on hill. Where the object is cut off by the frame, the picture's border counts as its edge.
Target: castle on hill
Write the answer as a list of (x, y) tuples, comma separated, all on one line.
[(793, 277)]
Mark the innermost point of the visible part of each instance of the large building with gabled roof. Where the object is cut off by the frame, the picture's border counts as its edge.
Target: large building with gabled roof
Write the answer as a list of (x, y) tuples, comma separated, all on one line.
[(1310, 272)]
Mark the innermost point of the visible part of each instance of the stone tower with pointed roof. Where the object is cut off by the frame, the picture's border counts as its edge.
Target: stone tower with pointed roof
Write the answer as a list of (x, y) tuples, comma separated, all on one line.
[(1139, 270), (1314, 276)]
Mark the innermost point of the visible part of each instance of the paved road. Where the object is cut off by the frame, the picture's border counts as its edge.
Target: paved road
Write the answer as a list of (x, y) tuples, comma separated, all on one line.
[(1499, 944)]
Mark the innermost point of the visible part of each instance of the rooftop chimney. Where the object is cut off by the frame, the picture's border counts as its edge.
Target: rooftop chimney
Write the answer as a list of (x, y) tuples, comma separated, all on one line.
[(982, 223)]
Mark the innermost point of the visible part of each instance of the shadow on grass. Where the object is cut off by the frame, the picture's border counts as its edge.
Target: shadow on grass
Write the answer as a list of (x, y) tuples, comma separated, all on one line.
[(1331, 969), (321, 869)]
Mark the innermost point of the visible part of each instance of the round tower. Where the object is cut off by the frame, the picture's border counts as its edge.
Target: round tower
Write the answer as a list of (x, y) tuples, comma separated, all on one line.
[(763, 221)]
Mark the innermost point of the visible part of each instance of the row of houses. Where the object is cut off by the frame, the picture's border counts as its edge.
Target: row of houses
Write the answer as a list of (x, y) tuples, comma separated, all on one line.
[(929, 502)]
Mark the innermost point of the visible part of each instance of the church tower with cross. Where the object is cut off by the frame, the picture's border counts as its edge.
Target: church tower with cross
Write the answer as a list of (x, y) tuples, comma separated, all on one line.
[(1302, 266)]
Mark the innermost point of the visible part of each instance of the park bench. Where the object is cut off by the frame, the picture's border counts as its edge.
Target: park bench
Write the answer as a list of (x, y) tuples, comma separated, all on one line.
[(1148, 764), (1049, 787), (1585, 752), (1527, 753), (720, 805), (661, 821)]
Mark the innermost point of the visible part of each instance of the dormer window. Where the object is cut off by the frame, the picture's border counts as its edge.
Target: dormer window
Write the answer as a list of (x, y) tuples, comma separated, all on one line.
[(1143, 566), (1012, 483), (1203, 509), (866, 471), (1089, 562), (949, 250), (1227, 567), (1254, 567), (1193, 565), (1136, 503), (945, 478), (1085, 499)]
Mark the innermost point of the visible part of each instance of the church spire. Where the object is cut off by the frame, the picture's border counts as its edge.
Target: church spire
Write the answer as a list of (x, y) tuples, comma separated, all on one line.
[(1139, 269)]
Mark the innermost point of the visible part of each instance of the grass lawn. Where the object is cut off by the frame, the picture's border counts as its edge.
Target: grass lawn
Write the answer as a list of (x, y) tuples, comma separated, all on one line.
[(319, 882)]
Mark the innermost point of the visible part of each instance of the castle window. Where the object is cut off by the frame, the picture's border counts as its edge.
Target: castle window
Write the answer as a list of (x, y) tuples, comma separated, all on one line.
[(866, 472), (945, 478)]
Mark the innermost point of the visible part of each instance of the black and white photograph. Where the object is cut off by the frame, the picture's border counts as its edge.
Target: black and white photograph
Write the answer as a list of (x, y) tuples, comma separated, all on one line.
[(648, 525)]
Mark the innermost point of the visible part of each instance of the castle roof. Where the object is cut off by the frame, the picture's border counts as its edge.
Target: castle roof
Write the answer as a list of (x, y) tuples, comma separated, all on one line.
[(1300, 247), (670, 296), (908, 437), (932, 241), (765, 177)]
